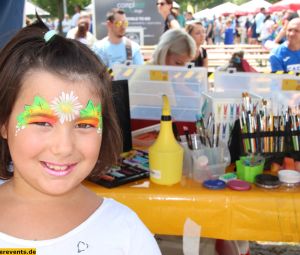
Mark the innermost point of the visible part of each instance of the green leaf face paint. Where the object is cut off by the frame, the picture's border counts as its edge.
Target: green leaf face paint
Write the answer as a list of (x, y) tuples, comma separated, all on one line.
[(39, 107), (66, 107), (93, 114)]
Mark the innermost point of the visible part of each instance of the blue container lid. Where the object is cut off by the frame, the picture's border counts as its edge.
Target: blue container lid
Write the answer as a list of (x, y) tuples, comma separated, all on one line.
[(214, 184)]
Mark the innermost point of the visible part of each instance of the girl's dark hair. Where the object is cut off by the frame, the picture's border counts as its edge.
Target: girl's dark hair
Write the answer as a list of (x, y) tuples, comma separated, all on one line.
[(67, 58)]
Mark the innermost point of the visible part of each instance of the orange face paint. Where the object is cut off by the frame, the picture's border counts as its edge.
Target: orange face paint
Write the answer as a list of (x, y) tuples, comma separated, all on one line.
[(94, 122), (36, 118)]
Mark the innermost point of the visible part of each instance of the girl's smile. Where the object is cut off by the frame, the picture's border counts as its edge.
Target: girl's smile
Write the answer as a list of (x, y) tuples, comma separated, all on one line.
[(58, 169)]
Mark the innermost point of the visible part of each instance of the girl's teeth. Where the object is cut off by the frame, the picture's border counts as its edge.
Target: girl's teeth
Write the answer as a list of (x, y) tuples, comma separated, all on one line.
[(57, 168)]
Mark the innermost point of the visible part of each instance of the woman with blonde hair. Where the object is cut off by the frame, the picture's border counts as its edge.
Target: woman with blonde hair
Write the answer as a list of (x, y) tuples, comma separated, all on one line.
[(175, 47)]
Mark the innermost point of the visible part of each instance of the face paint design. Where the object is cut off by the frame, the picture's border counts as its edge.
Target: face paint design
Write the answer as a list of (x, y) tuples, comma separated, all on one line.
[(66, 107), (92, 115), (40, 109)]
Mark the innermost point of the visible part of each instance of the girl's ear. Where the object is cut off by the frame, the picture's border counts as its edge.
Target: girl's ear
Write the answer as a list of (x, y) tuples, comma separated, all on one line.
[(3, 131)]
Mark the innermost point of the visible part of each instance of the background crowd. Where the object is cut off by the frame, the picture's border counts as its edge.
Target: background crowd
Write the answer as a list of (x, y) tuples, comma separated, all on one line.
[(261, 28)]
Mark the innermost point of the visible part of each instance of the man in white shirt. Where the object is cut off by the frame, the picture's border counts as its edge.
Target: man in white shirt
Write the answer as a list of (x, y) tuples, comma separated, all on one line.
[(259, 20), (116, 48)]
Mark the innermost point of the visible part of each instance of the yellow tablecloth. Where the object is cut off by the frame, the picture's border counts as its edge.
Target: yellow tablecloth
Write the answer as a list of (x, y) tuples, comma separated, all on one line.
[(258, 214)]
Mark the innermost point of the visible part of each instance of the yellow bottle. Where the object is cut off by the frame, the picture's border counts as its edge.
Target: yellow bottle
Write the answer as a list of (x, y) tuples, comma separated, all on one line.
[(165, 155)]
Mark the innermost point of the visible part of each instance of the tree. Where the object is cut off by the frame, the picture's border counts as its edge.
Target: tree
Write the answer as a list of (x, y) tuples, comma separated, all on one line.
[(55, 7)]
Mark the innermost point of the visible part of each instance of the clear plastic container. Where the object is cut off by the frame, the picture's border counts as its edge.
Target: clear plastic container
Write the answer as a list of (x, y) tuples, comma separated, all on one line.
[(218, 158), (147, 83)]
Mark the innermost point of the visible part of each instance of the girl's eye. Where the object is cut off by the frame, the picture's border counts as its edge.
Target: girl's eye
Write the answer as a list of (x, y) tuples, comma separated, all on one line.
[(41, 123), (84, 125)]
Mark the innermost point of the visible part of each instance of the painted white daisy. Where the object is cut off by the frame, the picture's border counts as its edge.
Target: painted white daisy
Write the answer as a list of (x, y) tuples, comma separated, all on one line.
[(66, 106)]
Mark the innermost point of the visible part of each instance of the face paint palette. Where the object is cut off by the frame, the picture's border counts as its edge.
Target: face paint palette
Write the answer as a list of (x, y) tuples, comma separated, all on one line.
[(134, 166)]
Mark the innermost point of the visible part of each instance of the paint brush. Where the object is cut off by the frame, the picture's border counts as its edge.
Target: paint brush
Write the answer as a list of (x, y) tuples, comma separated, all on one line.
[(188, 137)]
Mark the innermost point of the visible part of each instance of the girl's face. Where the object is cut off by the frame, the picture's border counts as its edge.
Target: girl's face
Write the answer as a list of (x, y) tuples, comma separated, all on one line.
[(55, 140), (198, 33), (173, 59)]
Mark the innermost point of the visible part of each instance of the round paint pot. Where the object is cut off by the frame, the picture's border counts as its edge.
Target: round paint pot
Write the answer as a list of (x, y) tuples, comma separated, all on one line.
[(267, 181), (214, 184), (239, 185), (289, 176)]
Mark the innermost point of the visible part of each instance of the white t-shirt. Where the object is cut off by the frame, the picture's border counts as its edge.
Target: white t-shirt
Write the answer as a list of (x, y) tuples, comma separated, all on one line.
[(113, 229), (112, 54)]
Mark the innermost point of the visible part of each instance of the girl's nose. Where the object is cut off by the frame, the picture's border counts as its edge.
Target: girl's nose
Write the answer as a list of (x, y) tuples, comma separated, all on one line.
[(62, 142)]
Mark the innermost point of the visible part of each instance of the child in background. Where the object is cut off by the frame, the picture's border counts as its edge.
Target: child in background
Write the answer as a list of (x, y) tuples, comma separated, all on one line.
[(197, 31), (58, 126), (228, 33)]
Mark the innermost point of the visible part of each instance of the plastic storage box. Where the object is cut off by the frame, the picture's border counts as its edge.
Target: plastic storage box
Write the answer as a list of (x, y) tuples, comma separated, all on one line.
[(270, 86), (147, 83)]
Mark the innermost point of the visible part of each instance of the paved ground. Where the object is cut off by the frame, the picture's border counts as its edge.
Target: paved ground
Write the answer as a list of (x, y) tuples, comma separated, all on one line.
[(274, 248), (173, 246)]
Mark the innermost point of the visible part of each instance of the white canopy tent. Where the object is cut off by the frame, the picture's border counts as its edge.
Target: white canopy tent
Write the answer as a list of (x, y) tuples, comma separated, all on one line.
[(254, 6), (227, 8), (30, 9), (206, 13)]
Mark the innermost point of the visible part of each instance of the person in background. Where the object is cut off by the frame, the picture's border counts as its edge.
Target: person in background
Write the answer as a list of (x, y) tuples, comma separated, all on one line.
[(197, 31), (267, 30), (254, 35), (81, 32), (76, 16), (59, 127), (228, 33), (281, 35), (66, 24), (238, 62), (248, 25), (210, 31), (180, 18), (189, 16), (164, 8), (218, 30), (286, 57), (175, 47), (259, 20), (116, 48)]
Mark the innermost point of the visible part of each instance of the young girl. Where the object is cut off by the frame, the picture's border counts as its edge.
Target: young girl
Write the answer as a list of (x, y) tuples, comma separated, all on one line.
[(58, 126), (197, 31)]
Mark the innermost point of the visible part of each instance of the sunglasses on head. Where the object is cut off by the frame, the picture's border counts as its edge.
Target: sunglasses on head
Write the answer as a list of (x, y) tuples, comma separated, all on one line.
[(119, 23), (161, 3)]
